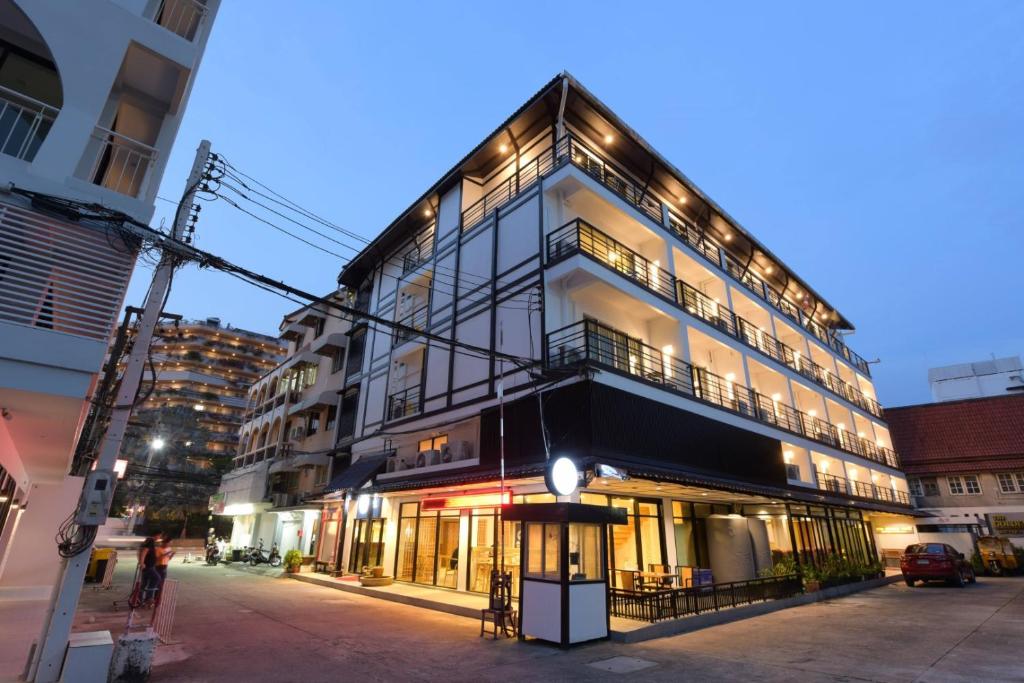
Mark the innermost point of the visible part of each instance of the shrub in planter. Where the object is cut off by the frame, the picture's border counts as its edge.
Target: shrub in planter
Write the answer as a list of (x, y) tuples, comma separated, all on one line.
[(292, 561)]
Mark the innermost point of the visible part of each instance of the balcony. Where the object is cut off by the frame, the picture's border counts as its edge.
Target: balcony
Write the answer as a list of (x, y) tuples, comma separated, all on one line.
[(409, 325), (24, 123), (404, 403), (578, 236), (510, 188), (589, 342), (120, 163), (860, 489), (181, 17)]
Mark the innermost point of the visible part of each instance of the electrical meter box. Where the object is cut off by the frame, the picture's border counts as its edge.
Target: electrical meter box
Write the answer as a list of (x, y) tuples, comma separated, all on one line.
[(96, 496)]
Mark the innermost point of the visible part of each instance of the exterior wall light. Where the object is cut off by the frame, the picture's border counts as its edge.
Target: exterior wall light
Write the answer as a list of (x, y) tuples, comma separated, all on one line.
[(562, 476), (363, 504)]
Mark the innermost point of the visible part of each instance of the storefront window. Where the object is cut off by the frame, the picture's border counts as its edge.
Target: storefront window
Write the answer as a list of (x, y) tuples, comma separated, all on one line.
[(447, 574), (428, 546), (367, 544), (406, 542), (331, 524), (482, 543), (682, 526)]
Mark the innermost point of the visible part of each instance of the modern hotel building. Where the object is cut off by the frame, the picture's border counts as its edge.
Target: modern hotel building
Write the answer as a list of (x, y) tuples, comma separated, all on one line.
[(612, 313)]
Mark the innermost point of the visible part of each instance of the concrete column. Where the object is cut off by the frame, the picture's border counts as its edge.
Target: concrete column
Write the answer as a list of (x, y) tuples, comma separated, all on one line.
[(671, 558), (464, 549)]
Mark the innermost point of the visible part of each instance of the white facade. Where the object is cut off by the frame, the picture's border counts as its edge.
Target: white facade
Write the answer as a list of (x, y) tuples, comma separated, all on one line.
[(288, 437), (93, 94), (993, 377)]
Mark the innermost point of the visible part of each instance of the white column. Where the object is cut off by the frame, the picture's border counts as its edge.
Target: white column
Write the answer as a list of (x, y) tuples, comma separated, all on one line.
[(670, 533)]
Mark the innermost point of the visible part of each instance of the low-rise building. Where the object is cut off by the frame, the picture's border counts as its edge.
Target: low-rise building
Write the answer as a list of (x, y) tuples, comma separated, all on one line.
[(994, 377), (287, 437), (965, 466)]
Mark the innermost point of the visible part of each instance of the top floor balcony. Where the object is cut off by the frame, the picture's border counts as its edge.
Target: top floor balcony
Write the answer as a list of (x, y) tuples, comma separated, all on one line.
[(592, 343), (24, 123), (181, 17), (579, 236)]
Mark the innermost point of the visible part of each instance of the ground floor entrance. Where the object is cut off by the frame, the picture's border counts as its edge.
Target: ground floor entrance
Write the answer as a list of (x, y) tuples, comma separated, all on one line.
[(675, 535)]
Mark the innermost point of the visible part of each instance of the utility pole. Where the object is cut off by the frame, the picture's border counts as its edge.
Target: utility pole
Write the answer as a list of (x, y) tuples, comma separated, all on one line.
[(49, 655)]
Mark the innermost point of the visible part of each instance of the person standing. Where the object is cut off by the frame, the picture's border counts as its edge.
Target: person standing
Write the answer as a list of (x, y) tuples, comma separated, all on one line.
[(164, 553), (149, 577)]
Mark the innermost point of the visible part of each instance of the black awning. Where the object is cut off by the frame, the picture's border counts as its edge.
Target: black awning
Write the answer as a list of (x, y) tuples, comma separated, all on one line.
[(357, 474)]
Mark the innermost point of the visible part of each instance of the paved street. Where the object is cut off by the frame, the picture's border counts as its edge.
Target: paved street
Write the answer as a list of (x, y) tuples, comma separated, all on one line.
[(232, 624)]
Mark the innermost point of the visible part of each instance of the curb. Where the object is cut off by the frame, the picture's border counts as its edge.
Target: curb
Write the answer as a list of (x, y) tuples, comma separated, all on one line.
[(697, 622)]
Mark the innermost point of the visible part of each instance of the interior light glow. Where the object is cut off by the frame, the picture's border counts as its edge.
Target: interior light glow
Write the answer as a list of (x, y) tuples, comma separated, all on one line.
[(468, 500), (787, 456)]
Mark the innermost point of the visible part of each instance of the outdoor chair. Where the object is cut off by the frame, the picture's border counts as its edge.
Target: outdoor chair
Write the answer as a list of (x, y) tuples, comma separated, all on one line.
[(499, 610), (666, 582)]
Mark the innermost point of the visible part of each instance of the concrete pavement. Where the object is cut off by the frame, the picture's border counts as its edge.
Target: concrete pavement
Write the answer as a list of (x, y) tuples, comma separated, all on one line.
[(236, 624)]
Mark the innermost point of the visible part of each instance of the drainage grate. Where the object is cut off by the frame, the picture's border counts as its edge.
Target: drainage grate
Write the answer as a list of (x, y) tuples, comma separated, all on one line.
[(622, 665)]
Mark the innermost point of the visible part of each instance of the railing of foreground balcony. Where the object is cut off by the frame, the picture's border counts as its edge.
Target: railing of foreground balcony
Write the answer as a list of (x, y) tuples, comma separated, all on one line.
[(120, 163), (590, 342), (404, 403), (182, 17), (580, 236), (417, 320), (861, 489), (673, 603), (509, 188), (24, 123)]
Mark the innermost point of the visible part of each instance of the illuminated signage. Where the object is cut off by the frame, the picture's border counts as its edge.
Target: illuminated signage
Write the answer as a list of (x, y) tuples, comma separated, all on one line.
[(895, 529), (1007, 524), (479, 499)]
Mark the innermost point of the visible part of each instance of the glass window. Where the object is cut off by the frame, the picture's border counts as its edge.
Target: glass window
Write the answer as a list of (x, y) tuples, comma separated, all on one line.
[(972, 484), (482, 544), (914, 484), (545, 542), (433, 444), (552, 550), (585, 552), (593, 498), (337, 360), (406, 546), (1020, 482), (448, 552), (930, 486), (535, 559), (1007, 483), (956, 485)]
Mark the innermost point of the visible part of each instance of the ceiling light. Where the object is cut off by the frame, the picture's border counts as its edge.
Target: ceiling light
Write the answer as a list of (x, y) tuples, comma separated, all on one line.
[(682, 200), (428, 212), (769, 270), (608, 139), (503, 148), (728, 238)]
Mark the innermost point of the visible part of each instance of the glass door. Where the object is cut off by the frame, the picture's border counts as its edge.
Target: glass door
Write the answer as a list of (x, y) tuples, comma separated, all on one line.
[(448, 552)]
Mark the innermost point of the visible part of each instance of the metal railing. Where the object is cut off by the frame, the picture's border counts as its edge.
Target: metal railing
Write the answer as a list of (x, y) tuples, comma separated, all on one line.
[(580, 236), (851, 487), (404, 403), (181, 17), (24, 123), (120, 163), (417, 320), (673, 603), (518, 180), (590, 342)]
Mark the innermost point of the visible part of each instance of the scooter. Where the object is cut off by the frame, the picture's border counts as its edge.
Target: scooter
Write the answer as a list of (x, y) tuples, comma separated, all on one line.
[(213, 554), (260, 556)]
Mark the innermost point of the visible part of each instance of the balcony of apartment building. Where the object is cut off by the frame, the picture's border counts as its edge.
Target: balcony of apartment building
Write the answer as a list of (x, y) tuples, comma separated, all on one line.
[(749, 322), (405, 395), (716, 374), (843, 477), (411, 315), (183, 18)]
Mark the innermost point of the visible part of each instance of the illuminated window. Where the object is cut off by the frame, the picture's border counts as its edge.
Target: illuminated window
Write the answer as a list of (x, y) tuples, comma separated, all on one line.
[(433, 444)]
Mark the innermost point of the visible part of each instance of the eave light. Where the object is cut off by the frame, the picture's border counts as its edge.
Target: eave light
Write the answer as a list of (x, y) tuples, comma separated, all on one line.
[(608, 139)]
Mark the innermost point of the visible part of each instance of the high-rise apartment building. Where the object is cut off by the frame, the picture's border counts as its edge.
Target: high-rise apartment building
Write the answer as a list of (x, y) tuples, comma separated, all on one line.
[(634, 326), (91, 98)]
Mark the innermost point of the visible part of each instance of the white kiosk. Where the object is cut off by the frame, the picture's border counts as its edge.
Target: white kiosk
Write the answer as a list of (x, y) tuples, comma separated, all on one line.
[(563, 582)]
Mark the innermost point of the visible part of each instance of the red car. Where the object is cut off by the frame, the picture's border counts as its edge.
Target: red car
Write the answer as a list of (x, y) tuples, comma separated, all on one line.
[(935, 562)]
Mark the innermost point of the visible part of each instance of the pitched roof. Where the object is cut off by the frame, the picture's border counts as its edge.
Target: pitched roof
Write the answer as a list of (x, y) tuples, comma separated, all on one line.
[(981, 434)]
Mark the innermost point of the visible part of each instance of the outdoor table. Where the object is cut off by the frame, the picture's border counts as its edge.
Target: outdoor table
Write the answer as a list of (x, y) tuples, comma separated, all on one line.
[(660, 577)]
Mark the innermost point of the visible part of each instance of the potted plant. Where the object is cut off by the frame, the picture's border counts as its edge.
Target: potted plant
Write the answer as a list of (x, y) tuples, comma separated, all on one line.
[(812, 578), (292, 561)]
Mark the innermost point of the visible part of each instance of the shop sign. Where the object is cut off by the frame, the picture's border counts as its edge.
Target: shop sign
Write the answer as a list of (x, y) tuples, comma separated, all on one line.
[(478, 499), (1007, 524), (217, 503)]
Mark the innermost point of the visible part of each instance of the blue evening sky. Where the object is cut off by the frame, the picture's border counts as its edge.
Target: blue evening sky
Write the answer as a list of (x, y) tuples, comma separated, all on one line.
[(876, 147)]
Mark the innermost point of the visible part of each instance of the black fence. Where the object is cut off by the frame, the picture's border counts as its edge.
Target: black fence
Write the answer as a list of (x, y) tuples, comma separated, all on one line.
[(673, 603)]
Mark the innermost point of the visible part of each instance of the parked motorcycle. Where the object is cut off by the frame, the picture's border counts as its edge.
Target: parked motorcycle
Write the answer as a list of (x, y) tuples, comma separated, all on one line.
[(212, 554), (261, 556)]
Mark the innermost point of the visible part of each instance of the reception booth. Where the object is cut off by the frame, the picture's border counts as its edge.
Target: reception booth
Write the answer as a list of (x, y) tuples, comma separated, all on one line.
[(563, 585)]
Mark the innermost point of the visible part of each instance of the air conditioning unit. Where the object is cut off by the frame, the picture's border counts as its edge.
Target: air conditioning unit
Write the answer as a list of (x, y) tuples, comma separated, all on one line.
[(793, 472), (400, 463), (454, 451), (428, 458)]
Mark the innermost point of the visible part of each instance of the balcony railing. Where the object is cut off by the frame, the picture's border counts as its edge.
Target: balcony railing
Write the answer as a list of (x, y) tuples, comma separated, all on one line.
[(24, 123), (590, 342), (182, 17), (417, 320), (120, 163), (578, 236), (509, 188), (852, 487), (404, 403)]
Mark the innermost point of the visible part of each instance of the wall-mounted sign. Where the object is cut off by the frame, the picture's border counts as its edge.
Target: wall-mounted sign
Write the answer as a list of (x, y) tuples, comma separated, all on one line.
[(476, 499), (1007, 523), (562, 477), (895, 529)]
